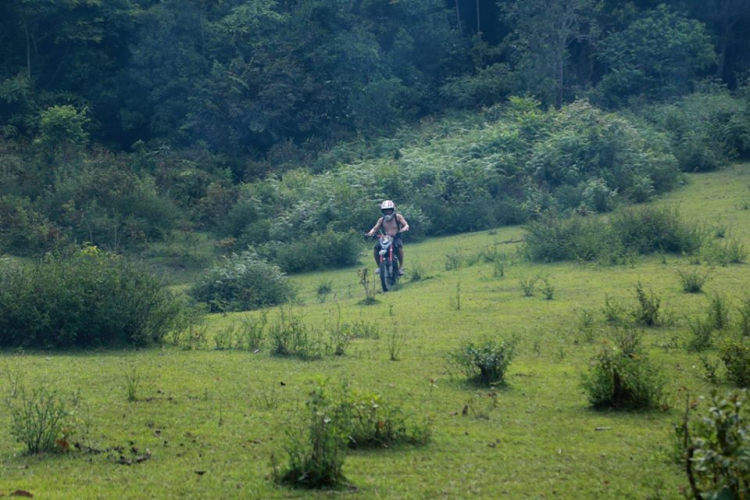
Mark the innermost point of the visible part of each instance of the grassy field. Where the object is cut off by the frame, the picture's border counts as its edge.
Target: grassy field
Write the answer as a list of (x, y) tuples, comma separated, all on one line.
[(211, 419)]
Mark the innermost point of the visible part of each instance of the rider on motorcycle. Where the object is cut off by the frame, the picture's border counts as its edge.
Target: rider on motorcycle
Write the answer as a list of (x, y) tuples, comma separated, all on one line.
[(392, 224)]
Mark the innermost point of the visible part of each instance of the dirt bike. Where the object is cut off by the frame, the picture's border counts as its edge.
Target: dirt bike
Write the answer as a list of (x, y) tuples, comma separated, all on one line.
[(389, 264)]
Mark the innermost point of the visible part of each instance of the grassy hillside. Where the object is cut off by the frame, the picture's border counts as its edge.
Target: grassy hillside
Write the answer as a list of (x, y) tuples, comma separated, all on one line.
[(211, 419)]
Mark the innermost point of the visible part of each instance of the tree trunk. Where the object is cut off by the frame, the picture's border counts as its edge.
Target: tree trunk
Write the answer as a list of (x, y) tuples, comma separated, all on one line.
[(479, 27), (559, 77), (28, 51), (458, 17)]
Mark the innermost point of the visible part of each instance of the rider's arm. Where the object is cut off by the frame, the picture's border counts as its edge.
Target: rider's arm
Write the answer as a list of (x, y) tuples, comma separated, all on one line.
[(404, 224), (377, 226)]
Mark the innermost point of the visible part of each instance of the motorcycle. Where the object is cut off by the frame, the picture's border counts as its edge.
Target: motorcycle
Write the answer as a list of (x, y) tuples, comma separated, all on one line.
[(389, 264)]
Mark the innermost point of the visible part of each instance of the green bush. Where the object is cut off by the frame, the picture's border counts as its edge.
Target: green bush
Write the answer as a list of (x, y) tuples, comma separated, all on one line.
[(630, 231), (604, 155), (726, 251), (718, 445), (242, 282), (373, 421), (647, 311), (702, 330), (485, 362), (327, 249), (88, 299), (735, 354), (709, 127), (42, 419), (24, 230), (317, 448), (623, 381), (648, 229), (553, 238), (692, 281)]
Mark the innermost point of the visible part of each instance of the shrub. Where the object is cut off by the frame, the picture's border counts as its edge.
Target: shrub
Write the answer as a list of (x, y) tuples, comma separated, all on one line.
[(548, 289), (602, 154), (327, 249), (718, 313), (735, 354), (42, 419), (289, 336), (88, 299), (614, 312), (553, 238), (242, 282), (702, 330), (718, 445), (646, 230), (647, 310), (24, 230), (708, 127), (692, 281), (317, 450), (373, 421), (486, 362), (725, 252), (528, 285), (623, 381), (743, 324)]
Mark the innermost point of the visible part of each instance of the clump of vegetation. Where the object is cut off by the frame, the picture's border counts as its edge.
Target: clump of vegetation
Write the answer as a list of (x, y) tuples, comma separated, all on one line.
[(702, 330), (328, 249), (338, 419), (743, 323), (132, 382), (715, 445), (692, 280), (289, 336), (90, 298), (631, 231), (453, 261), (717, 314), (647, 311), (727, 251), (547, 289), (708, 128), (417, 272), (647, 230), (242, 282), (528, 285), (396, 340), (585, 325), (735, 354), (324, 289), (455, 301), (317, 450), (368, 285), (42, 419), (614, 312), (373, 421), (623, 378), (485, 362)]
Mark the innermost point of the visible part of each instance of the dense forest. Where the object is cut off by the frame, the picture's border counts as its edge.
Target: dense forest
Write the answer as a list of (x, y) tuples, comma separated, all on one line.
[(131, 124)]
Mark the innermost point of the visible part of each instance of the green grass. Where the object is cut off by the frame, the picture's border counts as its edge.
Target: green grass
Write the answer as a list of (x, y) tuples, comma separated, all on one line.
[(224, 413)]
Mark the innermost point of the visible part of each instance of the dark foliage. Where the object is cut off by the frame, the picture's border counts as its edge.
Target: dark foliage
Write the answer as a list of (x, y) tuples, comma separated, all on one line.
[(85, 300)]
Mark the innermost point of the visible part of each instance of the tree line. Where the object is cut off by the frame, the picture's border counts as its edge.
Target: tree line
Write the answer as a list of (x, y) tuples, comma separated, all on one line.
[(247, 78), (123, 121)]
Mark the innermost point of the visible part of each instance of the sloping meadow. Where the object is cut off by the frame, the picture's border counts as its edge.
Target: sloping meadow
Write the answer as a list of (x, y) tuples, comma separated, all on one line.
[(221, 410)]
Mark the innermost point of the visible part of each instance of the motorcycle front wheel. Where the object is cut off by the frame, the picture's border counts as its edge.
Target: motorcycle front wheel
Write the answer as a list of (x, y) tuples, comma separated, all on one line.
[(388, 274)]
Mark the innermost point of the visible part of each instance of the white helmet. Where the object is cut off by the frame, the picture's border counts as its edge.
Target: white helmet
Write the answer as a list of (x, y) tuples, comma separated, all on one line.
[(388, 209)]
